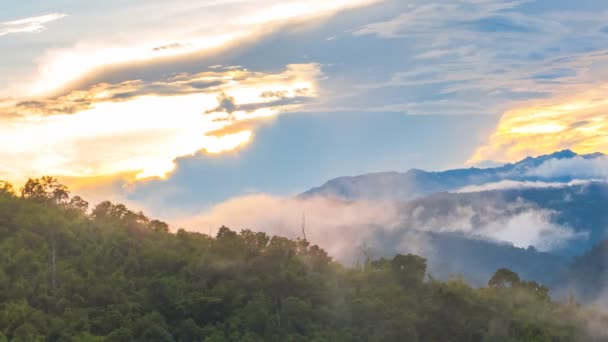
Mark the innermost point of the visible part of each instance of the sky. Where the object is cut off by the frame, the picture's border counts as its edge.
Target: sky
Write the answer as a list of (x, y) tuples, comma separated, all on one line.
[(179, 106)]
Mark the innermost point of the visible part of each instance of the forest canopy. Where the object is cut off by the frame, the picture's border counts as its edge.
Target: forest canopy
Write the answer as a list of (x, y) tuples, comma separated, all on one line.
[(68, 273)]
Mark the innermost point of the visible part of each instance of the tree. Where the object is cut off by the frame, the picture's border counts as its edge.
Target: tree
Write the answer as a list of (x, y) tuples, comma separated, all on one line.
[(116, 286), (159, 226), (109, 210), (541, 291), (46, 188), (102, 210), (152, 327), (409, 268), (80, 204), (224, 233), (6, 187), (504, 278), (27, 333), (256, 242)]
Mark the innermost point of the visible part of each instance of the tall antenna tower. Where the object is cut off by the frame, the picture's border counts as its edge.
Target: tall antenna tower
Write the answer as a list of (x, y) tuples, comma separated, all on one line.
[(304, 226)]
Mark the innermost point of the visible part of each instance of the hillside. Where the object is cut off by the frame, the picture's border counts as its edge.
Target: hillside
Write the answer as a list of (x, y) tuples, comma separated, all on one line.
[(534, 216), (463, 230), (587, 277), (116, 275)]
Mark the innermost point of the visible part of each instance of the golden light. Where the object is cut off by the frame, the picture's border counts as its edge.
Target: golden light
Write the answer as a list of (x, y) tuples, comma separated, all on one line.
[(144, 135), (578, 123), (94, 134), (60, 67), (289, 10), (228, 142)]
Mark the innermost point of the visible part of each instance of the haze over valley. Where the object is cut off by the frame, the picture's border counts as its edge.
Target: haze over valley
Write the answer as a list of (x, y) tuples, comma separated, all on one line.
[(303, 170)]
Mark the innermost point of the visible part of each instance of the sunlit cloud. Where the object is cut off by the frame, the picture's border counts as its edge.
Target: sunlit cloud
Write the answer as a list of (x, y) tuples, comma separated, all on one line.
[(579, 123), (58, 68), (141, 128), (29, 25)]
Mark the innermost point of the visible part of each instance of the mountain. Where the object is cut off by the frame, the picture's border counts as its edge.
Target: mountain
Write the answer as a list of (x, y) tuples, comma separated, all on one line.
[(534, 216), (455, 254), (416, 183), (474, 233)]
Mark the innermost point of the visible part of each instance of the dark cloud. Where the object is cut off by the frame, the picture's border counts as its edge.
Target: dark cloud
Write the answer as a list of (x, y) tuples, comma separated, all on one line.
[(285, 101), (497, 24), (226, 104), (205, 84), (171, 47), (555, 74), (580, 124)]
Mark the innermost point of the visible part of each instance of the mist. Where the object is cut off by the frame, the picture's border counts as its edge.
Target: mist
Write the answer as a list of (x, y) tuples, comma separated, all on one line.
[(343, 228)]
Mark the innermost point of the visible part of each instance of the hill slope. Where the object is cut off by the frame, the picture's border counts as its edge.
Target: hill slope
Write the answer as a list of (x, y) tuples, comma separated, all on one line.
[(587, 277), (115, 275)]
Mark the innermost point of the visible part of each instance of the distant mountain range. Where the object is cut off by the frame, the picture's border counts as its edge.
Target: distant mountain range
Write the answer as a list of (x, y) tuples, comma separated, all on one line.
[(415, 183), (534, 216)]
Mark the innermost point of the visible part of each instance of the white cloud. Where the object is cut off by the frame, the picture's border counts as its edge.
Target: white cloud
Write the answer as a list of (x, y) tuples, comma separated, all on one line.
[(414, 21), (175, 31), (490, 53), (339, 227), (577, 167), (29, 25), (513, 184), (530, 228), (343, 227), (518, 223)]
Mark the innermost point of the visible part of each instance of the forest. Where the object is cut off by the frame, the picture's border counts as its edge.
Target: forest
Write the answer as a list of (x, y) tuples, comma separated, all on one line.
[(73, 273)]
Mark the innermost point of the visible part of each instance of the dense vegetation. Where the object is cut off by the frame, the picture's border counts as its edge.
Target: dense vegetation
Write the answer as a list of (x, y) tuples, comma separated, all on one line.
[(111, 274), (587, 277)]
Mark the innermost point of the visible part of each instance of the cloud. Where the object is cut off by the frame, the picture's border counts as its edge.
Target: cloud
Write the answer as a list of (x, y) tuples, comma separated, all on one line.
[(176, 36), (577, 167), (513, 184), (531, 228), (519, 223), (340, 227), (29, 25), (344, 227), (413, 21), (576, 122), (493, 54), (263, 89), (139, 127), (226, 104)]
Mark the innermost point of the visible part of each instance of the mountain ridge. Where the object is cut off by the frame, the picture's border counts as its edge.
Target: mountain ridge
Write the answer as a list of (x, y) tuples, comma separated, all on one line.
[(414, 183)]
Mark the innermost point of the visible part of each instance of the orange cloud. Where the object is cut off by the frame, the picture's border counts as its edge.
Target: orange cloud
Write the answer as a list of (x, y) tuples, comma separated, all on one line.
[(141, 128), (579, 123)]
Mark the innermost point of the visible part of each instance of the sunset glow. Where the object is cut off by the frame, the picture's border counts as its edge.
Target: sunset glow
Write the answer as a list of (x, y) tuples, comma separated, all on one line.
[(145, 134), (579, 123)]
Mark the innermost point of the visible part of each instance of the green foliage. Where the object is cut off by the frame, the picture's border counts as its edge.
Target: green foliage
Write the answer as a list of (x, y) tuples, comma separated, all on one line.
[(504, 278), (115, 275), (46, 188)]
